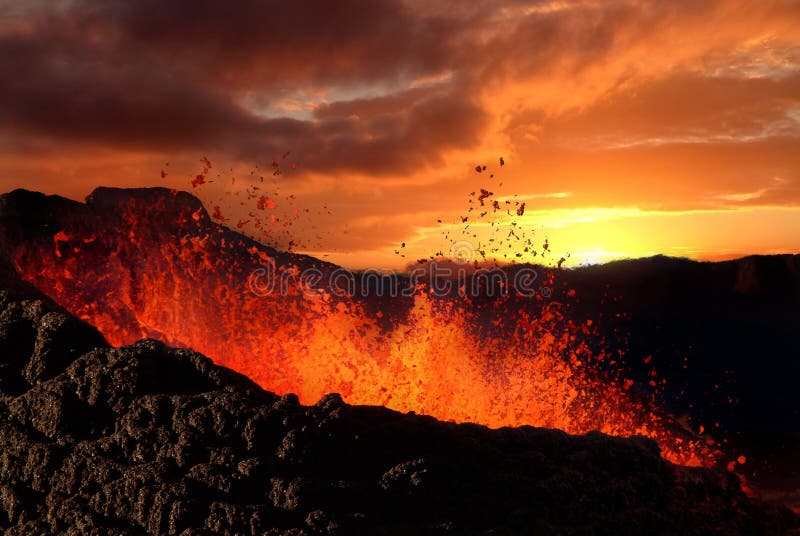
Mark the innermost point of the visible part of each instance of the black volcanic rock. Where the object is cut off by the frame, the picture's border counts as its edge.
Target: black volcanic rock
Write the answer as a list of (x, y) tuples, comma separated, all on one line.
[(149, 439)]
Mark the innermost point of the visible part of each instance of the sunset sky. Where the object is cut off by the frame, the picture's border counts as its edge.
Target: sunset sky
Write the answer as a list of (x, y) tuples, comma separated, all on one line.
[(628, 128)]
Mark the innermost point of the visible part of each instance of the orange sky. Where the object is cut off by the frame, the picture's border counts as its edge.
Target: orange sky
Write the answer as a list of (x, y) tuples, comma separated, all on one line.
[(628, 128)]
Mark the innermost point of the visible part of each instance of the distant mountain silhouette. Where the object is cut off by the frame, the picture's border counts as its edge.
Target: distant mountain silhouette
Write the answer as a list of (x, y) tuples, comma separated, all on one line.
[(736, 324)]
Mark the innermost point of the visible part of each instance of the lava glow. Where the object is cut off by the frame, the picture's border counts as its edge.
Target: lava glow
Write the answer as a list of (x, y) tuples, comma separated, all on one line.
[(154, 265)]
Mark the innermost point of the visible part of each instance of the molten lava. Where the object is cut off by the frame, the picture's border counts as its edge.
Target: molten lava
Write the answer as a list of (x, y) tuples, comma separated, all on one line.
[(151, 263)]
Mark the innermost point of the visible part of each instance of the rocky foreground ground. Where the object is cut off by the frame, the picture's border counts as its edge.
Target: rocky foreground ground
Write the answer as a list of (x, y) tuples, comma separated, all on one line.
[(147, 439)]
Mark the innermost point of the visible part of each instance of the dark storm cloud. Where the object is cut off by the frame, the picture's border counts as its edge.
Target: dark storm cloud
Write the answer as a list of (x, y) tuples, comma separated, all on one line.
[(273, 43), (64, 90), (172, 75), (402, 81), (176, 75)]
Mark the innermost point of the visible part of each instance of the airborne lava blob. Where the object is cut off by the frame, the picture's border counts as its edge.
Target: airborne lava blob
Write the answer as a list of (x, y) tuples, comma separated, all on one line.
[(151, 263)]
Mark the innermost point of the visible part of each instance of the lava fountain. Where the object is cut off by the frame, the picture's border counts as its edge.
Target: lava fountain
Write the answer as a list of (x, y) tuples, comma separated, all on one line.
[(151, 263)]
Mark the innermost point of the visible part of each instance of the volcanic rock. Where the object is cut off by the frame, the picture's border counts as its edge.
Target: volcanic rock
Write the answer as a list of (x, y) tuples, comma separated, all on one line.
[(146, 439)]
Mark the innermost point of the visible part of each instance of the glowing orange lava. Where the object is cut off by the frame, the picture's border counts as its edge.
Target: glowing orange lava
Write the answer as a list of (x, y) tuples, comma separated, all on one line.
[(146, 265)]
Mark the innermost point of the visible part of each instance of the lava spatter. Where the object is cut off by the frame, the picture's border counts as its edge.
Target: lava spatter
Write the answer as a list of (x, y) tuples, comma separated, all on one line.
[(155, 269)]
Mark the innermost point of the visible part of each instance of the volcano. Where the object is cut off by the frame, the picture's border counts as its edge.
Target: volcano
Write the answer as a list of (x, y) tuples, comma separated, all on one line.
[(148, 439), (602, 352)]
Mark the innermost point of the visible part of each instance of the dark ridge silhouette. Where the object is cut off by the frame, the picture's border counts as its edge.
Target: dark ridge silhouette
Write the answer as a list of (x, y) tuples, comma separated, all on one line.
[(34, 216), (724, 337)]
